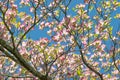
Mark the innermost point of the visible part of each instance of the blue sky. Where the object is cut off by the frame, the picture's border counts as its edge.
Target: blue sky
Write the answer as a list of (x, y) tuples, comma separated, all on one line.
[(37, 33)]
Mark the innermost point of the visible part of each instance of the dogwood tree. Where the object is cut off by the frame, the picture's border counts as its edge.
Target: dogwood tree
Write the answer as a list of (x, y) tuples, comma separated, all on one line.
[(83, 41)]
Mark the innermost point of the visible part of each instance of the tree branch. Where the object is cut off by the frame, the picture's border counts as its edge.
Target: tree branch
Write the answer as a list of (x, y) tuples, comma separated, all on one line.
[(84, 61), (22, 61)]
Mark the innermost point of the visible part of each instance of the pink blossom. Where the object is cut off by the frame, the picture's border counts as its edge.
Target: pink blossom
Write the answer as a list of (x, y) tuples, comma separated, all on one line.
[(83, 78), (23, 44), (118, 33), (44, 40), (31, 9), (62, 58), (83, 40), (24, 2), (97, 42), (57, 37), (103, 47), (49, 32), (65, 32)]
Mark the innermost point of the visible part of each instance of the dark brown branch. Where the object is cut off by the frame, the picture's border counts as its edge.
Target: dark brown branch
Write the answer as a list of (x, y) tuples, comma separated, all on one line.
[(22, 61), (16, 76), (6, 25), (113, 56), (8, 54), (84, 61)]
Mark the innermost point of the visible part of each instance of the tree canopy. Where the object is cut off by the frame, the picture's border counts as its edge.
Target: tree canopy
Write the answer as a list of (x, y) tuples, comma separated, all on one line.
[(81, 39)]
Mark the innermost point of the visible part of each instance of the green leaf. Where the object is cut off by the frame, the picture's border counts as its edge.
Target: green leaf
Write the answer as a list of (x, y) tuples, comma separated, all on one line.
[(105, 38), (117, 16), (111, 28), (96, 35), (57, 12), (14, 20), (21, 14), (23, 70), (92, 78), (18, 24), (73, 9), (79, 72), (91, 7), (109, 76), (24, 37), (118, 3)]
